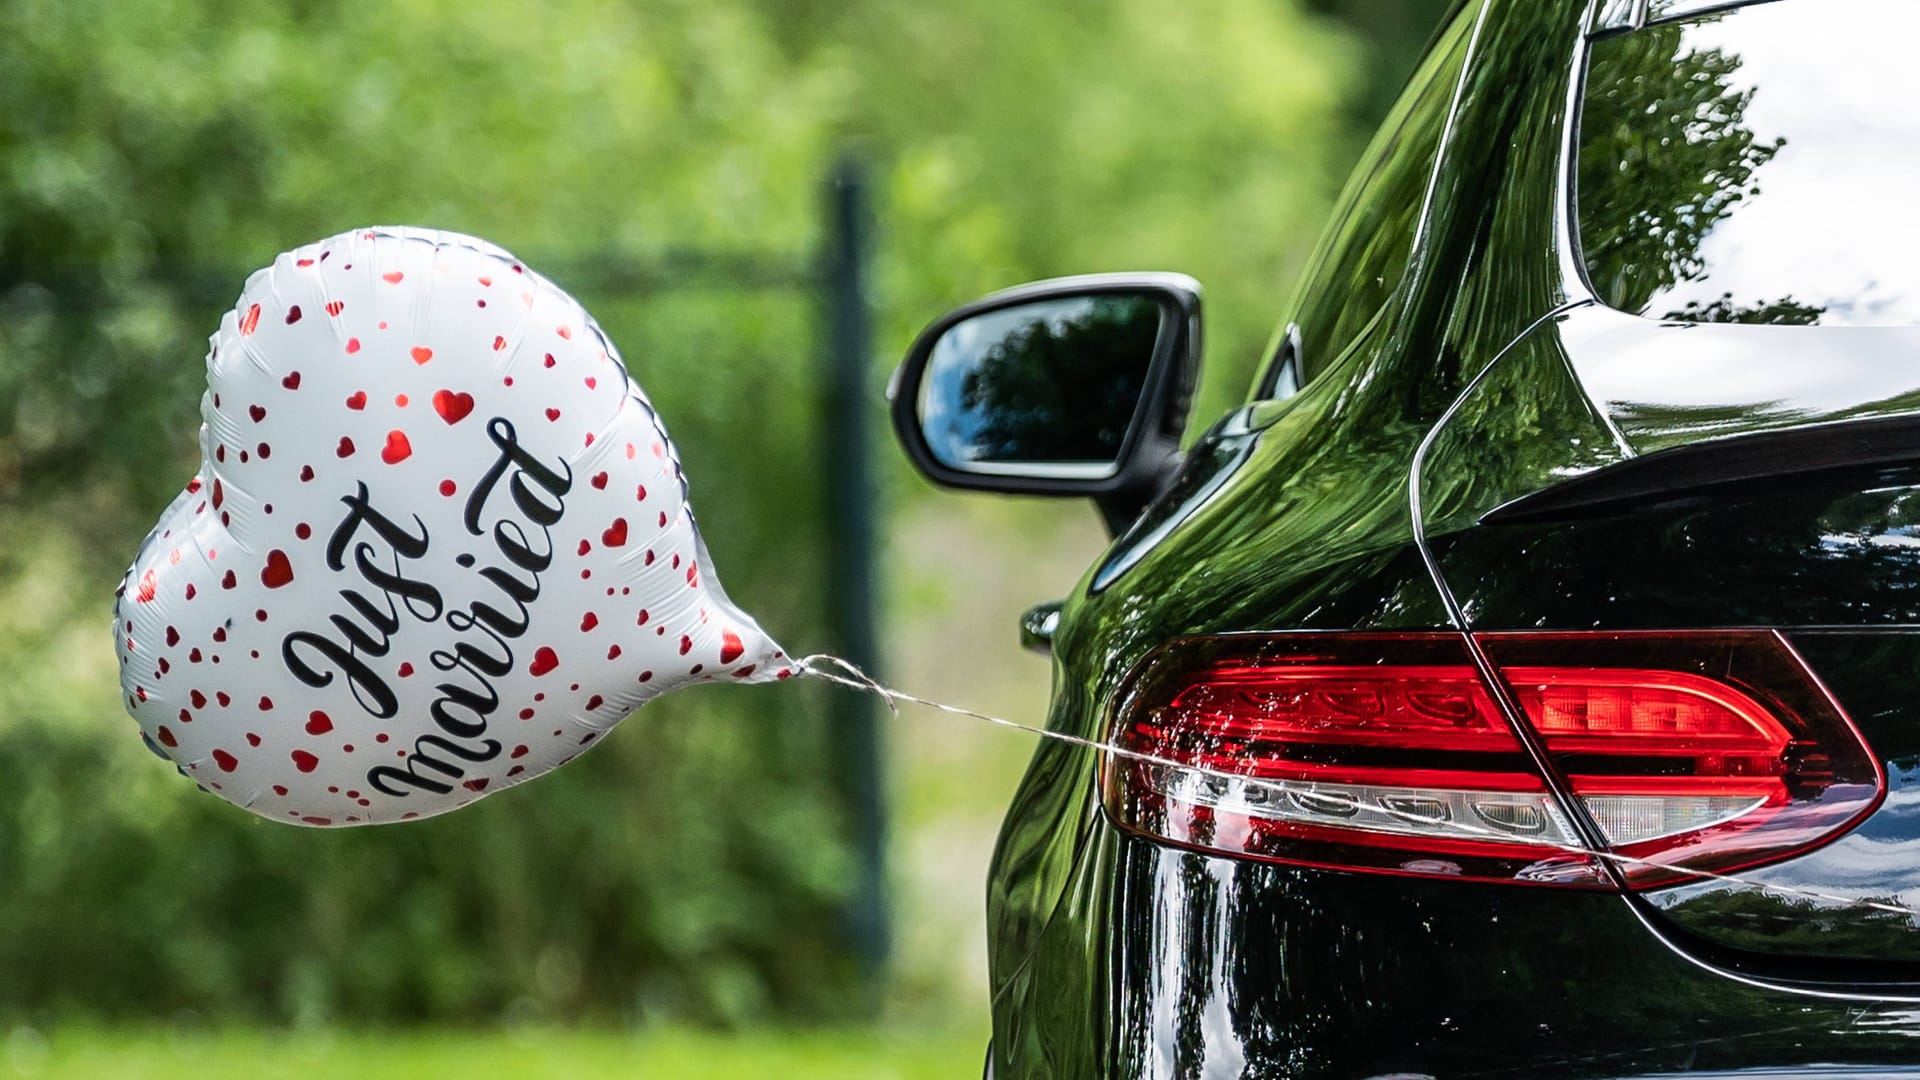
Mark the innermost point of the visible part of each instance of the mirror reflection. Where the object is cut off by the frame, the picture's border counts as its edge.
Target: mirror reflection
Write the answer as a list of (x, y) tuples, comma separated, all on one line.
[(1053, 382)]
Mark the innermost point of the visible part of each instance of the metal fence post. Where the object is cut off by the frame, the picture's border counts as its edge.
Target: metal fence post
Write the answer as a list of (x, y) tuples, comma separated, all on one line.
[(848, 411)]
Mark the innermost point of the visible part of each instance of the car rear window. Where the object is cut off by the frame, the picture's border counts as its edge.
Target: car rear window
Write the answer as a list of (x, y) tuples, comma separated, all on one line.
[(1756, 166)]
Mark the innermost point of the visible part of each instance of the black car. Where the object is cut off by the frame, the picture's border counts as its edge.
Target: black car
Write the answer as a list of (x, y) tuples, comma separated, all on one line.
[(1525, 679)]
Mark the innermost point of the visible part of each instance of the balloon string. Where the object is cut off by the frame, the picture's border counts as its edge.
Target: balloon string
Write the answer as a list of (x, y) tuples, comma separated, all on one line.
[(833, 669)]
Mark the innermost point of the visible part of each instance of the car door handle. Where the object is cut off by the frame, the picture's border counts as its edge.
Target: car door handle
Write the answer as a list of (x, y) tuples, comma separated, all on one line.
[(1038, 624)]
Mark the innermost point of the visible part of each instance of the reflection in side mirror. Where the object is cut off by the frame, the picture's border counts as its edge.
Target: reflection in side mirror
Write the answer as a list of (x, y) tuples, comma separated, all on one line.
[(1074, 386), (1043, 388)]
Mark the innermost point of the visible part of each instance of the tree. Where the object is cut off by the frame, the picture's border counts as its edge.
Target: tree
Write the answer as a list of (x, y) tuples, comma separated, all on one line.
[(1065, 389)]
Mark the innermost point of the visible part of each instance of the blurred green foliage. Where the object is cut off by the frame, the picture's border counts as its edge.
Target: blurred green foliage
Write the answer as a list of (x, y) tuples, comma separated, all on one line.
[(522, 1053), (151, 154)]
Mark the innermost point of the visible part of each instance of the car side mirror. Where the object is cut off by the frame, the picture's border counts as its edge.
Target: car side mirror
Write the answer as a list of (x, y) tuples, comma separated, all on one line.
[(1072, 386)]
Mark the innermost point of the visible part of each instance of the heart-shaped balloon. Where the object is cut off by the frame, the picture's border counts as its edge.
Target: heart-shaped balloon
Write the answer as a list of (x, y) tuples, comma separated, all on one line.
[(438, 544)]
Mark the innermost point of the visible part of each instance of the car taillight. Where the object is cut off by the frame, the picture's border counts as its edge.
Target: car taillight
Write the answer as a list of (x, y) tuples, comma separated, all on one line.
[(1686, 751)]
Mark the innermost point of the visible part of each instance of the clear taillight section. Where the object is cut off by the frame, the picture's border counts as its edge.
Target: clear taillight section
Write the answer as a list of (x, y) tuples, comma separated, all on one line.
[(1686, 752)]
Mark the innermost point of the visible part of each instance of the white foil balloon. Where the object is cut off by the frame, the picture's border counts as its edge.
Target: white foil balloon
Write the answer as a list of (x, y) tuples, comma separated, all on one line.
[(439, 542)]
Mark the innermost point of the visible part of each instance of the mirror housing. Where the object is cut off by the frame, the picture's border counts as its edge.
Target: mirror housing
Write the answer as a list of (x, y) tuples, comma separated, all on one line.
[(1057, 387)]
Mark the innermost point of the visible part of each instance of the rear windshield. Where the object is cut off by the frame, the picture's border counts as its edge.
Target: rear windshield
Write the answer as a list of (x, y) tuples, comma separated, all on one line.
[(1757, 166)]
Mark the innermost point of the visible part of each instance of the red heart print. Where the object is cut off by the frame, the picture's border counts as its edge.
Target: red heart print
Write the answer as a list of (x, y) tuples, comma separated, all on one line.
[(278, 570), (293, 314), (600, 481), (398, 449), (452, 407), (319, 723), (292, 381), (358, 400), (553, 414), (421, 354), (544, 660), (335, 307), (615, 535), (392, 277), (166, 737), (305, 761), (250, 321), (730, 647), (589, 621), (226, 761), (257, 412), (345, 449), (353, 345)]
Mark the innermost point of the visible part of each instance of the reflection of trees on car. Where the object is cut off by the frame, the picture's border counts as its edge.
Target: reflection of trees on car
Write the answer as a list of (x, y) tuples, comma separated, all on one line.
[(1664, 158), (1063, 389), (1782, 312), (1749, 919)]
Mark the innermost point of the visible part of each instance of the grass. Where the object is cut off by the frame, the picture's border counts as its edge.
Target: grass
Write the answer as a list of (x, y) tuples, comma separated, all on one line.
[(160, 1054)]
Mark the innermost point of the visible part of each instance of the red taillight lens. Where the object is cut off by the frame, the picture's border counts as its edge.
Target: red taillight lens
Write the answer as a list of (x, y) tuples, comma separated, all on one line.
[(1702, 750), (1687, 751)]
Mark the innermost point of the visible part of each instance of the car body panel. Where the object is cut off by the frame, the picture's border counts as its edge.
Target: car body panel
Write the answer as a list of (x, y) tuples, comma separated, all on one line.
[(1663, 385)]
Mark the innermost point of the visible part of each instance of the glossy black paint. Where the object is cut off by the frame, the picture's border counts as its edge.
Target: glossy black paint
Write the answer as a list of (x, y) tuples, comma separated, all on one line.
[(1458, 362)]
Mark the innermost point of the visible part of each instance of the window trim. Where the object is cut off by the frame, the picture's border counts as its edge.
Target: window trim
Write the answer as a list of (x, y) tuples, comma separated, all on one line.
[(1607, 19)]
